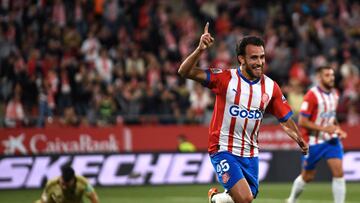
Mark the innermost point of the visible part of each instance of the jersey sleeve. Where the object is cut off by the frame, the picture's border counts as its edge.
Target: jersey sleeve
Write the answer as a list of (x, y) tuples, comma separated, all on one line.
[(46, 195), (278, 106), (88, 188), (309, 104), (215, 78)]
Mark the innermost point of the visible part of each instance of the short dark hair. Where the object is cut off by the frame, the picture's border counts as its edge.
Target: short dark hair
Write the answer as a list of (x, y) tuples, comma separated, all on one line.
[(321, 68), (67, 173), (253, 40)]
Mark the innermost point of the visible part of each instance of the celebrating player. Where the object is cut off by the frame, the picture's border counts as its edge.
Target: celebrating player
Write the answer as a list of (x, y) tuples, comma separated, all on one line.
[(322, 132), (242, 96), (68, 189)]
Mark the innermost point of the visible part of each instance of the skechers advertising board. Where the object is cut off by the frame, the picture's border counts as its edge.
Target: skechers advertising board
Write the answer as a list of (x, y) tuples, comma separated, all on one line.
[(127, 169)]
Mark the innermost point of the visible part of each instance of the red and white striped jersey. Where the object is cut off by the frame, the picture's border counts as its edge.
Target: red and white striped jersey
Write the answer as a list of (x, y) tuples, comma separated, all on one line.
[(320, 107), (239, 108)]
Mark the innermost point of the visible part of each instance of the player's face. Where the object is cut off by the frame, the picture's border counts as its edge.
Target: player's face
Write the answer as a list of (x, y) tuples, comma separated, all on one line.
[(327, 78), (254, 61), (67, 185)]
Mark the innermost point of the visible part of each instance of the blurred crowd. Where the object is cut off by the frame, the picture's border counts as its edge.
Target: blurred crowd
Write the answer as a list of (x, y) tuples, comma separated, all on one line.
[(104, 62)]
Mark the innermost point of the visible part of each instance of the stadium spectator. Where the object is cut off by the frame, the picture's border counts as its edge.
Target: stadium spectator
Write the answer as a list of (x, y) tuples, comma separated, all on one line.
[(135, 63), (46, 103), (106, 109), (353, 118), (90, 47), (298, 72), (199, 101), (295, 95), (104, 67), (15, 115), (184, 145)]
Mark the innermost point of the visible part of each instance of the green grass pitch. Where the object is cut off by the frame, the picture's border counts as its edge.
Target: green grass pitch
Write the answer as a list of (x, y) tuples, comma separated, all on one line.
[(269, 193)]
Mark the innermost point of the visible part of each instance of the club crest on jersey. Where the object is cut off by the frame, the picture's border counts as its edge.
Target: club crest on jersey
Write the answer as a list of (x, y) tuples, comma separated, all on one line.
[(283, 98), (236, 111), (216, 70), (225, 177), (265, 98)]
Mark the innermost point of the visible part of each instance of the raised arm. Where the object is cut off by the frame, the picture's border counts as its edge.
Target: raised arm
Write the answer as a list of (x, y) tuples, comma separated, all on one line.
[(187, 68), (292, 130)]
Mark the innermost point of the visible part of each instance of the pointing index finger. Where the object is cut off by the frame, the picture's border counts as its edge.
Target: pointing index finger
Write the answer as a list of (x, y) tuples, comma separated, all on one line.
[(206, 28)]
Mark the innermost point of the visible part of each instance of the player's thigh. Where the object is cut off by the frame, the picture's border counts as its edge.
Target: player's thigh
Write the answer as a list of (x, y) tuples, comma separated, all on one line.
[(316, 153), (251, 173), (227, 168), (335, 165), (241, 192), (333, 156), (308, 175)]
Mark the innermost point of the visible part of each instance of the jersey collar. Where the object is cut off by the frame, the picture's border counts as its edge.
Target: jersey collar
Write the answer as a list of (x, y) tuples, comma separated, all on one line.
[(323, 91)]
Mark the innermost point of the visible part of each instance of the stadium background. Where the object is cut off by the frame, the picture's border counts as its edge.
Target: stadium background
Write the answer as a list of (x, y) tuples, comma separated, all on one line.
[(88, 81)]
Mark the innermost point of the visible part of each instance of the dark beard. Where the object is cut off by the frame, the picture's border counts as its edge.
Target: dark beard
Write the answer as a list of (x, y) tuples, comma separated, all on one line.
[(249, 72), (328, 87)]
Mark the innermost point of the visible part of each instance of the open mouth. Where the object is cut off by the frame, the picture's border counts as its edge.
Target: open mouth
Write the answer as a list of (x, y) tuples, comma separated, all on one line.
[(257, 68)]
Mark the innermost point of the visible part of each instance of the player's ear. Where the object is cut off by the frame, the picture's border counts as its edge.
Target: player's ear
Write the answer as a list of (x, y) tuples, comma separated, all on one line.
[(318, 76), (241, 59)]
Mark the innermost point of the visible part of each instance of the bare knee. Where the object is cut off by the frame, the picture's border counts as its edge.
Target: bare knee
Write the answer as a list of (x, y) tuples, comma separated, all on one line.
[(243, 199), (335, 165), (308, 176), (248, 199), (241, 192), (338, 174)]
